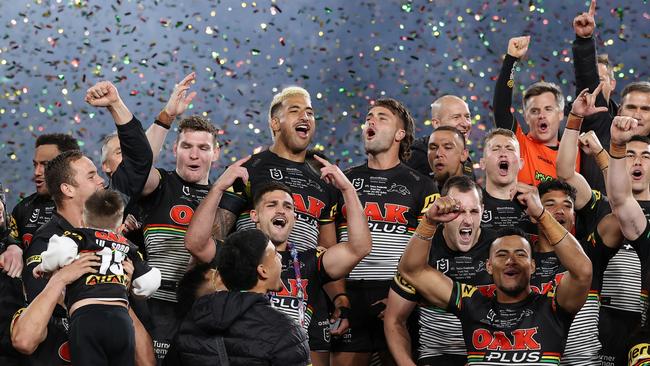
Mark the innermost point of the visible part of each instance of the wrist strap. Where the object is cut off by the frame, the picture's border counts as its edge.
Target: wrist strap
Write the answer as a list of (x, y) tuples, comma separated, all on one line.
[(159, 123), (617, 151), (553, 230), (425, 230), (602, 159), (574, 121), (165, 118)]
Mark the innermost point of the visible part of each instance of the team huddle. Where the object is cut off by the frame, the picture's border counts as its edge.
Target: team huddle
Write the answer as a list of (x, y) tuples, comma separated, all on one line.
[(287, 260)]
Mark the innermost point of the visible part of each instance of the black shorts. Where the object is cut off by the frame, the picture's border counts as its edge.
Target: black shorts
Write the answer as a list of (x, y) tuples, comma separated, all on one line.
[(319, 333), (102, 335), (615, 327), (443, 360), (164, 319), (366, 333)]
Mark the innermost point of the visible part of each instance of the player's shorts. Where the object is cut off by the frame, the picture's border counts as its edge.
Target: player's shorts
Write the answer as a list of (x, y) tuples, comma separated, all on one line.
[(102, 335), (443, 360), (366, 333)]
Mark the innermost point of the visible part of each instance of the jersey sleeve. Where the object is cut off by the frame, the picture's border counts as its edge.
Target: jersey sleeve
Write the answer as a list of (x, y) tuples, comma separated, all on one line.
[(328, 214), (598, 252), (61, 251), (323, 276), (34, 286), (429, 194), (562, 315), (132, 173), (502, 101), (14, 232), (462, 299), (404, 289), (642, 243), (236, 198), (146, 279), (588, 217)]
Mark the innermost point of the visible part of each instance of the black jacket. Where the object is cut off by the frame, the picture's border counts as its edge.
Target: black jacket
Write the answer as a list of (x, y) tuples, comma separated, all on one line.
[(254, 333)]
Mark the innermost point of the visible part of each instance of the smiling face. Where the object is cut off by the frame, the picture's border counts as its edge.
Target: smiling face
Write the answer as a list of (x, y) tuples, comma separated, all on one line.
[(510, 263), (195, 151), (294, 123), (637, 160), (271, 268), (86, 180), (462, 233), (454, 112), (636, 104), (501, 160), (543, 116), (111, 156), (383, 131), (274, 214)]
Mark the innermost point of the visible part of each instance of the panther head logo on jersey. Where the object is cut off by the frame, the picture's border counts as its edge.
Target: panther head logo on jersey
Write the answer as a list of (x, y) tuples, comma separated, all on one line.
[(357, 183), (399, 189), (276, 174)]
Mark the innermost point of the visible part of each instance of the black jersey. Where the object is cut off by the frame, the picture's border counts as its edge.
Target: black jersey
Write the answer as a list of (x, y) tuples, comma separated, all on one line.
[(167, 213), (312, 277), (110, 282), (55, 348), (622, 287), (314, 200), (33, 286), (439, 332), (501, 214), (394, 199), (30, 213), (530, 332), (583, 346)]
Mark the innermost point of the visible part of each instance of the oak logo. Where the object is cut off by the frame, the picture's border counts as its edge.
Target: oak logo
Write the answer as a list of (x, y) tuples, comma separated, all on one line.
[(292, 291), (519, 340), (313, 206), (181, 214)]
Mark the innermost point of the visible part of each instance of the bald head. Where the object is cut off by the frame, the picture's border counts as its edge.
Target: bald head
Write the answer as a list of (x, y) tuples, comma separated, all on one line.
[(450, 110)]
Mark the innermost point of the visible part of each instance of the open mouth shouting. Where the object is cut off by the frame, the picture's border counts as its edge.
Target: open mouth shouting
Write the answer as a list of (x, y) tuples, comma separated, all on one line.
[(511, 272), (302, 130), (503, 167), (40, 182), (543, 127), (637, 174), (465, 234), (194, 167), (370, 133), (279, 222)]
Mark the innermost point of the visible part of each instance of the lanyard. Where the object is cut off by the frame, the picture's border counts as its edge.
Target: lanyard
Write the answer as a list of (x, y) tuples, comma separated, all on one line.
[(301, 290)]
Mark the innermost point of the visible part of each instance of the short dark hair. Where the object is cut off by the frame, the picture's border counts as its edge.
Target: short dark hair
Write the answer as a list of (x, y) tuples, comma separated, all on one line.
[(640, 138), (557, 185), (453, 130), (104, 209), (400, 110), (269, 187), (637, 86), (198, 123), (463, 184), (186, 293), (542, 87), (58, 171), (62, 141), (238, 258), (511, 231)]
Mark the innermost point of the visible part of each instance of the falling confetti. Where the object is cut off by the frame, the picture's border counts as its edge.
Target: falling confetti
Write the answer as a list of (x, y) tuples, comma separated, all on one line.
[(346, 53)]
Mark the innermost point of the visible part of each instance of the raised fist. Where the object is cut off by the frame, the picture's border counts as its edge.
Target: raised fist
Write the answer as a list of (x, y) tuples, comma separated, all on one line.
[(102, 94), (518, 46)]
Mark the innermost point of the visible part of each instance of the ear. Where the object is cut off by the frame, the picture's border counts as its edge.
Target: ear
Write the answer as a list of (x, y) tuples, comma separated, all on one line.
[(612, 83), (275, 125), (261, 272), (216, 153), (175, 148), (488, 267), (68, 190), (106, 169), (254, 217), (481, 163), (399, 135), (464, 155), (435, 123), (533, 266), (521, 163)]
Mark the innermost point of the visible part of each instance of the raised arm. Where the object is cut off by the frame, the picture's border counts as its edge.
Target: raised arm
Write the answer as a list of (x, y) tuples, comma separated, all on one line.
[(502, 102), (137, 158), (575, 285), (414, 267), (157, 132), (568, 152), (30, 328), (340, 259), (624, 206), (199, 237)]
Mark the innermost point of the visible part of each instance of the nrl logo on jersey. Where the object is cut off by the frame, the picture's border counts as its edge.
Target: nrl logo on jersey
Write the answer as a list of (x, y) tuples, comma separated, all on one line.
[(276, 174), (186, 190), (442, 265), (487, 216), (357, 183), (399, 189), (35, 214)]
